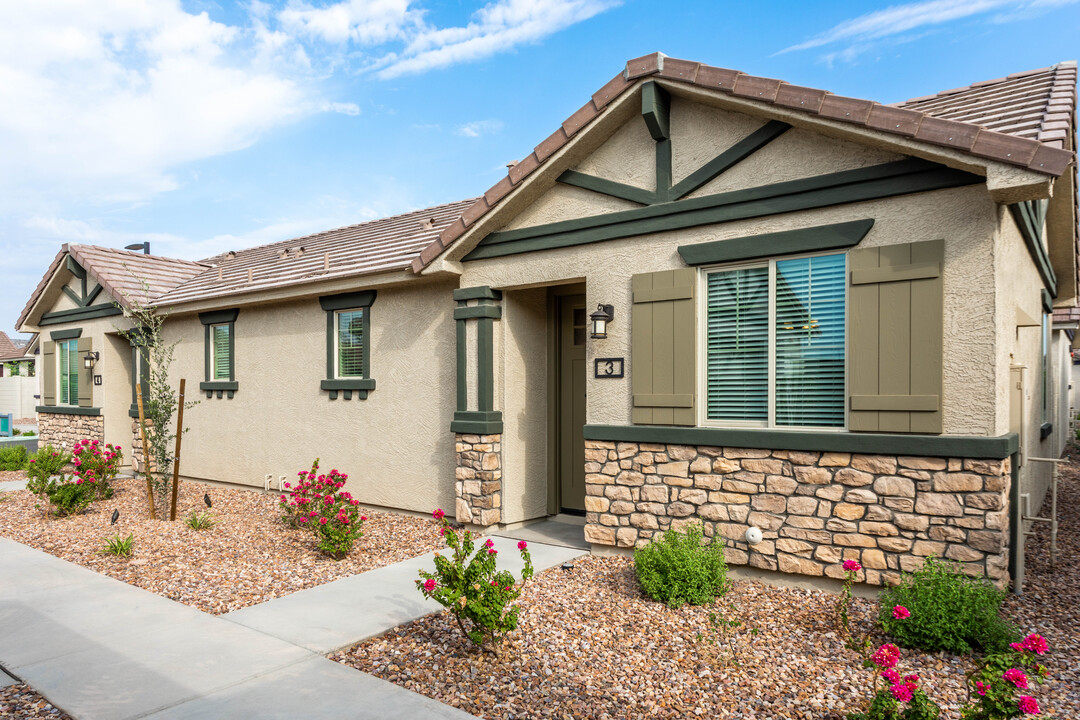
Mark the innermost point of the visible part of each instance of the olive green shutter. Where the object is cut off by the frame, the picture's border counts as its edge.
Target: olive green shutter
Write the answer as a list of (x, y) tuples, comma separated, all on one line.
[(896, 307), (86, 377), (663, 348), (48, 372)]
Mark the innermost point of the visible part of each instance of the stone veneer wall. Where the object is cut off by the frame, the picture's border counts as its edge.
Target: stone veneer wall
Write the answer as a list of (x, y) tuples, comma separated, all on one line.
[(815, 509), (478, 487), (62, 430)]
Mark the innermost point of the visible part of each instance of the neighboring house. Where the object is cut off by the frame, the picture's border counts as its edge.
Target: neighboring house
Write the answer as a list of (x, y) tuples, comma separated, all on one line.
[(825, 318), (15, 360)]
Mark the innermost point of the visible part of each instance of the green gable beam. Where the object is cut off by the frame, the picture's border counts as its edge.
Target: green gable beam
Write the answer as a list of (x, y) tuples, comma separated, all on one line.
[(814, 239), (951, 446), (848, 186), (1030, 217), (608, 187), (732, 156), (83, 313), (656, 109), (86, 299), (480, 292)]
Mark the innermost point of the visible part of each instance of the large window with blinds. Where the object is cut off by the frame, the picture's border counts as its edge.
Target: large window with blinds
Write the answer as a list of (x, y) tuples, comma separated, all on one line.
[(349, 338), (68, 362), (775, 343)]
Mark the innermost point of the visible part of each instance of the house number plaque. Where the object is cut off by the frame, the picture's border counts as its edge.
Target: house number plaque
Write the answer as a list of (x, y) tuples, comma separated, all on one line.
[(608, 367)]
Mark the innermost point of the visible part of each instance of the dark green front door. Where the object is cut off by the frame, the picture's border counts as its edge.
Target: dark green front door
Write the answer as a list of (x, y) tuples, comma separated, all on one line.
[(570, 378)]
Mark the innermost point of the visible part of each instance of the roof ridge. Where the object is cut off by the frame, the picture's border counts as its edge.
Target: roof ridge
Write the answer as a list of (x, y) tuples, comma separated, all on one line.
[(135, 254)]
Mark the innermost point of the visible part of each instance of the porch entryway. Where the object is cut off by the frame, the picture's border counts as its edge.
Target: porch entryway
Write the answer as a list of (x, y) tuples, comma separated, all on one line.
[(568, 441)]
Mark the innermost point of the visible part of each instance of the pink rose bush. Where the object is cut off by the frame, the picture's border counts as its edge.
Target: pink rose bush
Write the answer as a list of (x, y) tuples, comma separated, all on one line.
[(479, 595), (993, 686), (843, 605), (97, 464), (894, 696), (317, 502)]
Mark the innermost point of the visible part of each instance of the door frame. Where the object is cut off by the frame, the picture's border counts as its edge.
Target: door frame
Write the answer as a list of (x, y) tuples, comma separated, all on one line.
[(555, 293)]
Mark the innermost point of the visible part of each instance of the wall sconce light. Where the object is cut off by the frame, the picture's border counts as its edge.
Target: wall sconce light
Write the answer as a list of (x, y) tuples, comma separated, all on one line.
[(90, 359), (600, 319)]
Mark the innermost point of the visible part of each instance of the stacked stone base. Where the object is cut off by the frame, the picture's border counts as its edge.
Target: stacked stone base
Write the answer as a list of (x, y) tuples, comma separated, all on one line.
[(61, 430), (815, 510), (478, 488)]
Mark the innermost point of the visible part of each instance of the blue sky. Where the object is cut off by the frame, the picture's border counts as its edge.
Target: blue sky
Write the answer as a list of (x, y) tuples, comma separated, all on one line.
[(204, 126)]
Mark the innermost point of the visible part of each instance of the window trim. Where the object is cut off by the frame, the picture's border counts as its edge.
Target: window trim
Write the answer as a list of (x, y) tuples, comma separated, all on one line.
[(211, 385), (703, 345), (365, 354), (347, 386), (60, 382)]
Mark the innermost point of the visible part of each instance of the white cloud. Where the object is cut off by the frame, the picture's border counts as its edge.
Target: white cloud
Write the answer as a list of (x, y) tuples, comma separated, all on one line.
[(342, 108), (891, 23), (479, 127), (494, 28)]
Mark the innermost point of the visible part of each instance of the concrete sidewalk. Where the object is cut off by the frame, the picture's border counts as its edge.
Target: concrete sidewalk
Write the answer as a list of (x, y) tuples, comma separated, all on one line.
[(99, 648), (344, 612)]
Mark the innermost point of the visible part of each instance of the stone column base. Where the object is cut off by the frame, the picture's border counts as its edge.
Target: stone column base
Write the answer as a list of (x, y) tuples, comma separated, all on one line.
[(478, 487), (63, 431)]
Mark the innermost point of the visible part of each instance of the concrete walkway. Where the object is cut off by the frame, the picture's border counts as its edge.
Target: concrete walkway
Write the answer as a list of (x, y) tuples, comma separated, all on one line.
[(344, 612), (99, 648)]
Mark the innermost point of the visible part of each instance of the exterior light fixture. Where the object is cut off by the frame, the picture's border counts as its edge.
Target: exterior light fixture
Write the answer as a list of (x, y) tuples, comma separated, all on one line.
[(145, 247), (90, 359), (600, 319)]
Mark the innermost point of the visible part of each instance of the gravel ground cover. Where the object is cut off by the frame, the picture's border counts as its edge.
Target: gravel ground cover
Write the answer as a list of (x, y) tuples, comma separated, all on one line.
[(20, 702), (591, 646), (246, 558)]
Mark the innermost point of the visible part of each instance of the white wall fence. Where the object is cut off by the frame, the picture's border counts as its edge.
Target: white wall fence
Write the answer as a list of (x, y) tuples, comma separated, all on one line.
[(17, 396)]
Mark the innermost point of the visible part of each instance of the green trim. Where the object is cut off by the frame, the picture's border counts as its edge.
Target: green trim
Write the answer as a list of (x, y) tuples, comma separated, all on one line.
[(956, 446), (1030, 217), (485, 374), (462, 367), (822, 237), (87, 297), (664, 174), (480, 292), (87, 313), (75, 269), (69, 334), (477, 422), (1047, 301), (848, 186), (348, 301), (725, 160), (493, 312), (608, 187), (67, 410), (218, 317), (1016, 527), (656, 110), (220, 385), (348, 384)]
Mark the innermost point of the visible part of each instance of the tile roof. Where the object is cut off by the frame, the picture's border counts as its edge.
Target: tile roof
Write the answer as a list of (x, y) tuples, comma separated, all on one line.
[(1021, 148), (389, 243), (7, 348), (1037, 104), (118, 272)]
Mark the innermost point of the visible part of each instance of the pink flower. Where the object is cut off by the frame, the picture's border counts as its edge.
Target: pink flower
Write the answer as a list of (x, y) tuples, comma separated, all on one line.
[(438, 514), (911, 678), (79, 481), (493, 583), (522, 544), (901, 613), (1017, 677), (891, 675), (1035, 643), (852, 566), (363, 518), (442, 531), (1028, 705), (489, 543), (901, 692), (981, 687), (492, 551), (302, 519), (429, 584), (1017, 647), (886, 656), (322, 521)]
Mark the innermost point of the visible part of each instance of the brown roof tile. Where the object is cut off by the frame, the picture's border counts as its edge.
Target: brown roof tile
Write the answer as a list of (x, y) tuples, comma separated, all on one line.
[(7, 348)]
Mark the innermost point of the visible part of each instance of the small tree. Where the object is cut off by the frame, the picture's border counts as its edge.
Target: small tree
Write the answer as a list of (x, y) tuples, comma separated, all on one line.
[(159, 398)]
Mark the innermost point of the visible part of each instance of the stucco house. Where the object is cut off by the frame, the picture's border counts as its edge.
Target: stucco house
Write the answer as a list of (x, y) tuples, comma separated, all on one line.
[(706, 297)]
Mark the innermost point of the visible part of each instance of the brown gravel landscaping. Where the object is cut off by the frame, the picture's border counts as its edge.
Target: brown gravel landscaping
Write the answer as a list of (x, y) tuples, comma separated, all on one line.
[(20, 702), (248, 557), (590, 645)]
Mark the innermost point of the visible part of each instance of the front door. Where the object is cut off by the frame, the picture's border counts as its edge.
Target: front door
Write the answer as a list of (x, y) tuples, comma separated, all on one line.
[(570, 383)]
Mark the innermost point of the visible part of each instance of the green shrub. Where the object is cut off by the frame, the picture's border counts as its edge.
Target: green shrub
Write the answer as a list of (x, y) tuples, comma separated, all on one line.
[(42, 465), (200, 520), (679, 568), (949, 611), (119, 546), (13, 458)]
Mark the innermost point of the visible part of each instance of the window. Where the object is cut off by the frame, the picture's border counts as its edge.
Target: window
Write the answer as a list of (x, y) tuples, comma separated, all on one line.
[(348, 344), (220, 353), (775, 343), (68, 362), (349, 337)]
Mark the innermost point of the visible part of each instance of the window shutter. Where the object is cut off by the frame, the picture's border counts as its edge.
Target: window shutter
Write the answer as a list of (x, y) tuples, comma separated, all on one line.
[(896, 338), (86, 379), (48, 372), (663, 348)]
